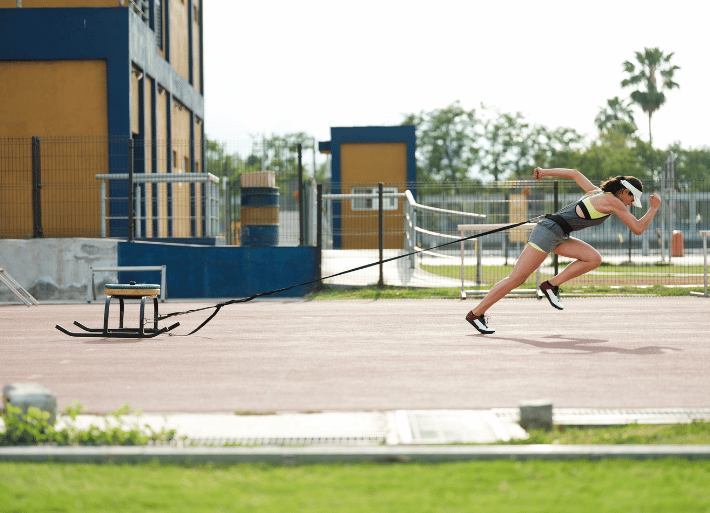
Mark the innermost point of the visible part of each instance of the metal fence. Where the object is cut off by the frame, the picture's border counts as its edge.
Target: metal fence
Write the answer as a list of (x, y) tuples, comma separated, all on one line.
[(668, 253), (294, 165), (99, 187), (117, 187), (79, 187)]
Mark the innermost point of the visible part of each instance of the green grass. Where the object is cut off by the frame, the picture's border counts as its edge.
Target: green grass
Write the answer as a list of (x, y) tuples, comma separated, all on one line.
[(532, 486), (637, 272), (658, 279), (694, 433), (372, 292)]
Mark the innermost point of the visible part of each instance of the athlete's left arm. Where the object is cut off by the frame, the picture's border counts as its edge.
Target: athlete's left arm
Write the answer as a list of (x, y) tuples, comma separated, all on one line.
[(638, 226)]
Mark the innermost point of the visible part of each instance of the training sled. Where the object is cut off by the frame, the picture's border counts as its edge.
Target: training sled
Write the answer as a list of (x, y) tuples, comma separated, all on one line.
[(123, 292)]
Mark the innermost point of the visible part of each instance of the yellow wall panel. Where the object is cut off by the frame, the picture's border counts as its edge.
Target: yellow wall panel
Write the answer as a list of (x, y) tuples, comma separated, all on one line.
[(182, 164), (179, 56), (162, 160), (199, 187), (371, 163), (148, 152), (53, 98), (15, 189), (68, 99), (196, 62)]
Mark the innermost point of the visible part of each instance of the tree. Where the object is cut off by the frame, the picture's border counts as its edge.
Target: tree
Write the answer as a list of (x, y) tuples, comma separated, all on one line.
[(511, 147), (692, 167), (555, 148), (652, 62), (218, 162), (447, 142), (507, 148), (616, 116)]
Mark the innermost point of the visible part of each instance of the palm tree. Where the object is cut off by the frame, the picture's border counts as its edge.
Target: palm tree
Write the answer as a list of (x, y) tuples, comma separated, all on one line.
[(650, 97), (616, 116)]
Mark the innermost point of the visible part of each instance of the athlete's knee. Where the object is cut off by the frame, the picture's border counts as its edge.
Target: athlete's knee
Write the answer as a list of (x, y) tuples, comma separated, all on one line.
[(594, 260), (517, 279)]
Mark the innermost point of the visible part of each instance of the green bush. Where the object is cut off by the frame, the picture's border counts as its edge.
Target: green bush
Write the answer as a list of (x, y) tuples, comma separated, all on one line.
[(34, 427)]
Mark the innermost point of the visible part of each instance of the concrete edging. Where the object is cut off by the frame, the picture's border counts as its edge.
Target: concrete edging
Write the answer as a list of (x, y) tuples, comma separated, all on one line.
[(380, 454)]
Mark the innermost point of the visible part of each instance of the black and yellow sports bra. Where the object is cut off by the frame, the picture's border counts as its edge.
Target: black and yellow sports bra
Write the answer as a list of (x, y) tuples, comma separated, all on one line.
[(592, 217)]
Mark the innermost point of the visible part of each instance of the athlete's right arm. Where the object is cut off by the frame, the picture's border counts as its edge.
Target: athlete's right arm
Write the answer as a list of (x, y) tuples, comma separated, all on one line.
[(637, 226), (575, 175)]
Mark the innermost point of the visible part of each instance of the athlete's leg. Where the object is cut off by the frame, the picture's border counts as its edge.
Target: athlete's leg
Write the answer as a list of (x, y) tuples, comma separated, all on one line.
[(530, 259), (586, 259)]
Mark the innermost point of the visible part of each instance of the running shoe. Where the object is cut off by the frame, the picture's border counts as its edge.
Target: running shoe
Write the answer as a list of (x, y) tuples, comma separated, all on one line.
[(552, 293), (479, 322)]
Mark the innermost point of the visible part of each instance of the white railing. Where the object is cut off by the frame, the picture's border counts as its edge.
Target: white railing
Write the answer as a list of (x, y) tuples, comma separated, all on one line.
[(410, 218), (411, 228), (211, 182)]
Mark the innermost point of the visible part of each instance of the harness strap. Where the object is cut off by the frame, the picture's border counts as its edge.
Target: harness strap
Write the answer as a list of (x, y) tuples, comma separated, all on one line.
[(560, 222)]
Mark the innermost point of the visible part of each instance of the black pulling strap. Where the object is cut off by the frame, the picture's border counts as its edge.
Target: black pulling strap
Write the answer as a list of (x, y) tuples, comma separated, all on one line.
[(218, 306)]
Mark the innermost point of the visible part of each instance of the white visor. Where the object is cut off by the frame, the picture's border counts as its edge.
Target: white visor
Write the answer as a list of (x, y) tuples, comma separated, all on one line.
[(634, 191)]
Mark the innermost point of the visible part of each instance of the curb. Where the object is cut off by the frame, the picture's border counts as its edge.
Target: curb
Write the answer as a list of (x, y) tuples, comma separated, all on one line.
[(311, 455)]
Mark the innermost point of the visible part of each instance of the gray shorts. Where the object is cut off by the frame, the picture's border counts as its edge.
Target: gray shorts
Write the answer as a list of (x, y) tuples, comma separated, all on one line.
[(546, 236)]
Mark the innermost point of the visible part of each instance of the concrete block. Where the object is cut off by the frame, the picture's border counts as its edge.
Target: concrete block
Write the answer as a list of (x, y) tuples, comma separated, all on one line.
[(259, 179), (536, 415), (24, 395)]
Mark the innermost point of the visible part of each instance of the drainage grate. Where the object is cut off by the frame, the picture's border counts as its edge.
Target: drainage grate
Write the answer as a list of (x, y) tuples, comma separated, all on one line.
[(288, 441)]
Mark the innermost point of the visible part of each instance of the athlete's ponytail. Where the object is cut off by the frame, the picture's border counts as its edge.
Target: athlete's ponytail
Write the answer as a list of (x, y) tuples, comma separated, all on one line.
[(614, 185)]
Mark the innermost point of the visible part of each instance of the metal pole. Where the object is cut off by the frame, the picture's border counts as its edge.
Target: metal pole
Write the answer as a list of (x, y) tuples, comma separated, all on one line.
[(479, 261), (130, 190), (319, 235), (380, 222), (300, 195), (37, 230), (463, 288), (705, 265), (103, 208), (139, 213), (671, 201), (556, 206)]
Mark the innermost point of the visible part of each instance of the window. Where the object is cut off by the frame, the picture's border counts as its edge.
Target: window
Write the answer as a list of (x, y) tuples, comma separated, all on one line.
[(142, 7), (158, 23), (369, 199)]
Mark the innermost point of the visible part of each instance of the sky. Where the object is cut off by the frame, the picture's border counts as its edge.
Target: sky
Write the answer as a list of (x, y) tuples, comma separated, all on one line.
[(276, 66)]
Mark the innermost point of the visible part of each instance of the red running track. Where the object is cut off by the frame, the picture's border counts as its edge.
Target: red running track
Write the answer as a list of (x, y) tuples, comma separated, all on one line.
[(372, 355)]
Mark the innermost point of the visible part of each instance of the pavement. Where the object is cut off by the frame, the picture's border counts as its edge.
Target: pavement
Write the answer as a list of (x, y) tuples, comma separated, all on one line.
[(427, 436), (391, 428), (371, 379)]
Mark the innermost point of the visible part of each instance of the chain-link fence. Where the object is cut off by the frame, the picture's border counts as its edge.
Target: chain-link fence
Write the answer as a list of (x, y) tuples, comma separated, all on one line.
[(99, 187), (669, 252), (173, 190), (292, 163)]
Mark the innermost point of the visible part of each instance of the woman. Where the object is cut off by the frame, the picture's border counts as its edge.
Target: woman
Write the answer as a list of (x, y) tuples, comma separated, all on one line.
[(551, 235)]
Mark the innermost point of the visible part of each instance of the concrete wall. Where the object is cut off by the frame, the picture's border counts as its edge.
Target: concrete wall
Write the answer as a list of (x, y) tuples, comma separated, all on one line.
[(60, 269), (56, 269)]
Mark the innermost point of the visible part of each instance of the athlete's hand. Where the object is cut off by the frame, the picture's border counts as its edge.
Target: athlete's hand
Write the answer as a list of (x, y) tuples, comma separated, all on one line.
[(655, 200), (538, 173)]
